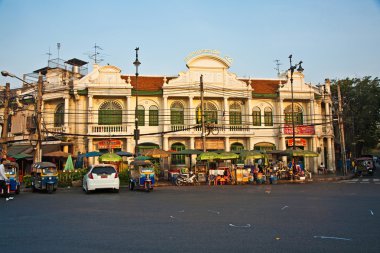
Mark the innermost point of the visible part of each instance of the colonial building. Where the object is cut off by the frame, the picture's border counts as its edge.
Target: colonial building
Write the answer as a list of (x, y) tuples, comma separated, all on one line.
[(96, 111)]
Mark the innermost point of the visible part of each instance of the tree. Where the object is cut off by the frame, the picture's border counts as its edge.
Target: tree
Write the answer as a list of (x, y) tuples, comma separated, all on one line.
[(361, 112)]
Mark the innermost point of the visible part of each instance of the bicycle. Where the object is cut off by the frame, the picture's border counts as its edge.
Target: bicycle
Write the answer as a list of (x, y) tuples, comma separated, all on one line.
[(211, 128)]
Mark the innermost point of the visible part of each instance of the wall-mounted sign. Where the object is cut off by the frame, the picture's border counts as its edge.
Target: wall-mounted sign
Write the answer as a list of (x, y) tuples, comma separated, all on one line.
[(214, 144), (307, 130), (299, 142), (105, 144)]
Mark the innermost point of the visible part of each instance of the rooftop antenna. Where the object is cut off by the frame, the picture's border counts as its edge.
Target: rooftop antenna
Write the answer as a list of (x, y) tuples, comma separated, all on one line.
[(58, 48), (94, 56), (277, 66), (49, 54)]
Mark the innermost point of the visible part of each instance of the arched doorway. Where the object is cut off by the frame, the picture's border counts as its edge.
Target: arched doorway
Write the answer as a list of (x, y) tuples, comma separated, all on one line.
[(178, 159)]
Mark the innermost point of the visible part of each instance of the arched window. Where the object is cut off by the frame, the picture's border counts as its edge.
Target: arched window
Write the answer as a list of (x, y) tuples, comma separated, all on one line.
[(140, 115), (256, 116), (59, 115), (235, 114), (236, 147), (298, 115), (268, 116), (110, 113), (178, 159), (177, 113), (153, 115), (210, 111)]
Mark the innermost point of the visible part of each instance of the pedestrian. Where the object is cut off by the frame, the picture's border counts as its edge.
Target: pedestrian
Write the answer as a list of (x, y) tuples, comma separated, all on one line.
[(3, 180)]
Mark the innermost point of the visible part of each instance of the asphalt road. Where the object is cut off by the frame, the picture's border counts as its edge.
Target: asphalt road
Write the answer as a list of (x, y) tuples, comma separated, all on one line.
[(315, 217)]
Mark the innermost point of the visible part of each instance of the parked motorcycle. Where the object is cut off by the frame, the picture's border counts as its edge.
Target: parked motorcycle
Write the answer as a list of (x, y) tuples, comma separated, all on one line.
[(187, 179)]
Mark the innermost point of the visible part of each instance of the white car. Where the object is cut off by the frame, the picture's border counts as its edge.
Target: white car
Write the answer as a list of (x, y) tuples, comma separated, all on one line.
[(101, 176)]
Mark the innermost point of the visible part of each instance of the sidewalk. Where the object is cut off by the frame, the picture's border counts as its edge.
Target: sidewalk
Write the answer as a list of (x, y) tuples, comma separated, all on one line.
[(315, 178)]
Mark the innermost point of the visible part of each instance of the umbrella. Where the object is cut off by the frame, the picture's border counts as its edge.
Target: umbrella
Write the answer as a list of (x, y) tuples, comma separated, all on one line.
[(69, 164), (93, 154), (123, 153), (110, 157), (227, 156), (208, 156), (57, 154), (157, 153), (251, 154), (142, 158), (298, 152)]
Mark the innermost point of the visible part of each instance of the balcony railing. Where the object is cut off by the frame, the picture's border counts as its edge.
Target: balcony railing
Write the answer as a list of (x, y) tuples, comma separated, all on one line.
[(103, 129)]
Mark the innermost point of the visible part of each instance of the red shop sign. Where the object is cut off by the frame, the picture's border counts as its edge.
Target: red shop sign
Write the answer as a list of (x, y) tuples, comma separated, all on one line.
[(288, 129), (109, 144), (299, 142)]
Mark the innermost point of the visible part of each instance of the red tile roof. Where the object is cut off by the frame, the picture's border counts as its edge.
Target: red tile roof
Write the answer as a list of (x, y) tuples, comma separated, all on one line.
[(147, 83), (262, 86), (155, 83)]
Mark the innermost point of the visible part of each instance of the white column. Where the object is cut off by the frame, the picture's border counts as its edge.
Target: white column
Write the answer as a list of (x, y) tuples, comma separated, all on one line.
[(130, 116), (314, 164), (90, 114), (226, 112), (249, 112), (250, 144), (165, 143), (312, 113), (190, 112), (227, 144), (192, 140), (283, 147), (279, 119), (329, 155), (66, 119), (329, 118), (164, 113)]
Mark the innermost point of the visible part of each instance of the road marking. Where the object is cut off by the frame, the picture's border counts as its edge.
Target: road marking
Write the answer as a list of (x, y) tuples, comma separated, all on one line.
[(365, 179), (182, 211), (376, 179), (244, 226), (211, 211), (371, 212), (364, 182), (284, 207), (350, 182), (332, 237), (377, 183)]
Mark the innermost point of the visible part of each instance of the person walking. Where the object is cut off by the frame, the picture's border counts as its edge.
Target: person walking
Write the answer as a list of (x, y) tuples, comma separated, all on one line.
[(3, 180)]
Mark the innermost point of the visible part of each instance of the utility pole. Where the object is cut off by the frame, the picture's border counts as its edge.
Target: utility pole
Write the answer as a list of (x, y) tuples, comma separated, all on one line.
[(341, 131), (38, 112), (203, 116), (4, 135)]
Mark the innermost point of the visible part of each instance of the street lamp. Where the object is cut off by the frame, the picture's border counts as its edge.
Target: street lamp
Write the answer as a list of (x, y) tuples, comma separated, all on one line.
[(291, 69), (136, 133), (38, 108)]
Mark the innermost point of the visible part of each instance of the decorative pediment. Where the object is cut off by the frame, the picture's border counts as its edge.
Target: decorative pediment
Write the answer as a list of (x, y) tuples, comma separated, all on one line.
[(216, 79), (105, 75)]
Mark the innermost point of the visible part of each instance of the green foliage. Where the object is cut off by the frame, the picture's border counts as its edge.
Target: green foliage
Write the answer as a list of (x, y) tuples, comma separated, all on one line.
[(65, 178), (26, 180), (124, 177), (361, 111)]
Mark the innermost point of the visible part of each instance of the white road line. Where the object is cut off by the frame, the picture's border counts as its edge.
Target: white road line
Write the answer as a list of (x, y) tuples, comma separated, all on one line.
[(364, 182), (376, 179), (365, 179), (377, 183)]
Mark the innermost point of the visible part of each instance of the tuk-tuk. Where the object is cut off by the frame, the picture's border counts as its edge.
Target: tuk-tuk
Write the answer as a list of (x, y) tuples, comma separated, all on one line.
[(364, 166), (11, 171), (44, 176), (141, 174)]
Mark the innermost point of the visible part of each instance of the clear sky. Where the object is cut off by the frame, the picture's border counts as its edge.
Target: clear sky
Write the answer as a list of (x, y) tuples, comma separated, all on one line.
[(334, 38)]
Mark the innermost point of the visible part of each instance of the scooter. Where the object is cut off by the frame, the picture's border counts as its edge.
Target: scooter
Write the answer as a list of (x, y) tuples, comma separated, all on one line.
[(187, 179)]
